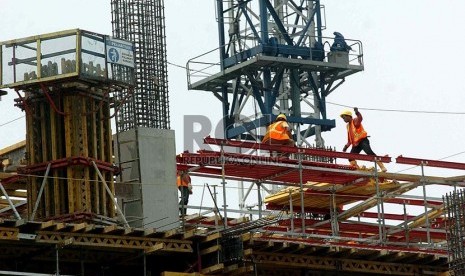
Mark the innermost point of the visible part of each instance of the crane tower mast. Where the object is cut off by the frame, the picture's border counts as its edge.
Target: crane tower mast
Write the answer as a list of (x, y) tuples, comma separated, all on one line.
[(273, 58)]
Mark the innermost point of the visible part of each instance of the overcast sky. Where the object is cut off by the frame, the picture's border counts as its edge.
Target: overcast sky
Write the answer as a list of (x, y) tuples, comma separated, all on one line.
[(412, 52)]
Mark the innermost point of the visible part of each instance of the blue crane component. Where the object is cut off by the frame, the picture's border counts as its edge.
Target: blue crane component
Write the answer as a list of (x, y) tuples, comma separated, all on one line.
[(273, 60)]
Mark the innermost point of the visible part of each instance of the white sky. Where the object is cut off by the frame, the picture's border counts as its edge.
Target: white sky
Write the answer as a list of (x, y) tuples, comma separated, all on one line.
[(412, 53)]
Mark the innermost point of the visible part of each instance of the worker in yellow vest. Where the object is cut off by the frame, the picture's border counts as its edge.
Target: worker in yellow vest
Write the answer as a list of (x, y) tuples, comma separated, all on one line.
[(183, 181), (357, 136)]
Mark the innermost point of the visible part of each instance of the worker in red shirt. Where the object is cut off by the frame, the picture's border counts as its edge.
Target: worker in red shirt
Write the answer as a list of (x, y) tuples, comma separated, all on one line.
[(357, 137), (183, 181)]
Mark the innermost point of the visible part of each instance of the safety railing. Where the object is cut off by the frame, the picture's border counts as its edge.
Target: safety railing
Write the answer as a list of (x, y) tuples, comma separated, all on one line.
[(65, 54), (209, 64)]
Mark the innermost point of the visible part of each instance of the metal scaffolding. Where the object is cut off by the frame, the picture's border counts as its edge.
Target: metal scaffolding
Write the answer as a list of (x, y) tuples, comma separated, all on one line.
[(143, 23), (334, 201), (454, 203)]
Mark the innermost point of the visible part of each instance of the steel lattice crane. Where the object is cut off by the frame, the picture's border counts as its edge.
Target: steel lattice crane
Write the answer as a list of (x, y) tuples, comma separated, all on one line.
[(274, 58)]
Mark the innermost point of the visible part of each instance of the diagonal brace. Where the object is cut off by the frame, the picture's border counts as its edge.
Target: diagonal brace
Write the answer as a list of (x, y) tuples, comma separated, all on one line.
[(118, 209), (41, 190)]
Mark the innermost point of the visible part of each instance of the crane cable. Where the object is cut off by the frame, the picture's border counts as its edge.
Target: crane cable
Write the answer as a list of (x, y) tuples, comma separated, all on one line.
[(402, 110)]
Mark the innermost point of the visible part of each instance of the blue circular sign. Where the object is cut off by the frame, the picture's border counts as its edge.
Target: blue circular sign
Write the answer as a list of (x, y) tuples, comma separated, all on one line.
[(113, 55)]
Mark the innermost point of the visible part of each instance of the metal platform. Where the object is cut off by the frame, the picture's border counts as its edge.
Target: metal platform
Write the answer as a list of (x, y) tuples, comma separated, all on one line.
[(334, 71)]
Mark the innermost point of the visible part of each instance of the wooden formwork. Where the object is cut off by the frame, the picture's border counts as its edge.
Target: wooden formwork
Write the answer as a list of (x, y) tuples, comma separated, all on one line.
[(66, 126)]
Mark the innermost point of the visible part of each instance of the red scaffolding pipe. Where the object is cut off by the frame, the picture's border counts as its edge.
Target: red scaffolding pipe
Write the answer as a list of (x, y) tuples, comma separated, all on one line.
[(431, 163)]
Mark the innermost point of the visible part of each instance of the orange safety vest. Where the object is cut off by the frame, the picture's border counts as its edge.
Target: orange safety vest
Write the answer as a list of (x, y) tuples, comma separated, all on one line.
[(355, 134), (184, 181), (277, 131)]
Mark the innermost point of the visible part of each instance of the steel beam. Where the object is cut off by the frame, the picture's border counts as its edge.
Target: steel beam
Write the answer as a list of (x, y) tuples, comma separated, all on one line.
[(431, 163), (287, 149)]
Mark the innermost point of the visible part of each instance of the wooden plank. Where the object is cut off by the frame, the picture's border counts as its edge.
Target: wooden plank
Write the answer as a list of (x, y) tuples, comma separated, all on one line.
[(101, 156), (213, 269), (86, 194), (47, 224), (212, 237), (77, 151), (69, 152), (78, 227), (14, 147), (30, 137), (60, 185), (149, 231), (247, 252), (238, 220), (96, 203), (246, 236), (170, 273), (14, 201), (22, 194), (459, 178), (230, 268), (89, 227), (154, 248), (210, 249), (189, 233), (4, 175), (110, 228), (54, 155), (244, 270), (235, 269), (59, 226), (170, 233), (45, 198)]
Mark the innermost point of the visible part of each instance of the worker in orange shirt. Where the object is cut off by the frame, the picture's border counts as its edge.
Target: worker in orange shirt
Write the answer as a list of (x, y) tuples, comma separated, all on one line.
[(183, 181), (357, 137), (279, 133)]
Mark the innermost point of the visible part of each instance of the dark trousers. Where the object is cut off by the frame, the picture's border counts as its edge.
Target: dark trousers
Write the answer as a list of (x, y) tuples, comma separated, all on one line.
[(273, 142), (363, 145), (184, 199)]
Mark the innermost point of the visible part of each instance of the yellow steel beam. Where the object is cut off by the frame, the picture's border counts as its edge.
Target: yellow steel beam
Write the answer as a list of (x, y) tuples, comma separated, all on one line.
[(113, 241), (9, 233)]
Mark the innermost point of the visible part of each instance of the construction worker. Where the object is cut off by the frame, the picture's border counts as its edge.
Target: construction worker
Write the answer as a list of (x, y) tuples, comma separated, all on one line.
[(279, 133), (183, 181), (357, 137)]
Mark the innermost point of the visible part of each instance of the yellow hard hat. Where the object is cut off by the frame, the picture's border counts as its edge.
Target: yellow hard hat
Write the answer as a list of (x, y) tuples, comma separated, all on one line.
[(281, 116), (346, 112)]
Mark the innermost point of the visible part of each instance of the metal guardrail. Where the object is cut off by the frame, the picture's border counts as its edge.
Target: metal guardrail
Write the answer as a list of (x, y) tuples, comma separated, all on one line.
[(208, 64), (65, 54)]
